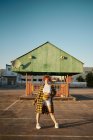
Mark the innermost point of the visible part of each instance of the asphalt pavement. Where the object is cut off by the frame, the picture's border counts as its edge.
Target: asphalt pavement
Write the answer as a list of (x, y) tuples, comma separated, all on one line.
[(75, 118)]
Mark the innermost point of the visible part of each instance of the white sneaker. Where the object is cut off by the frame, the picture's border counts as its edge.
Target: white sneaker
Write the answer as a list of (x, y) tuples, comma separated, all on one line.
[(56, 125), (38, 126)]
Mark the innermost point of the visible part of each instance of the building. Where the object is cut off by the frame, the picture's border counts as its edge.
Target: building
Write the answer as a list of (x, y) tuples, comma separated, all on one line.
[(7, 77), (47, 59)]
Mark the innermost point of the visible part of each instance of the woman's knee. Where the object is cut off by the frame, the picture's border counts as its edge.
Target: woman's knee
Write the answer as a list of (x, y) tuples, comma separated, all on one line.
[(49, 109), (51, 114), (38, 114)]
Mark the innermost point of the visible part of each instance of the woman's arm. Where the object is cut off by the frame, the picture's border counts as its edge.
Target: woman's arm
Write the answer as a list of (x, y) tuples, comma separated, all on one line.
[(38, 95)]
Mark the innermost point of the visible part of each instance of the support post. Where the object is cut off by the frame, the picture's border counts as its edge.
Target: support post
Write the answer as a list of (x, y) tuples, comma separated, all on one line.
[(30, 86), (67, 87), (26, 86)]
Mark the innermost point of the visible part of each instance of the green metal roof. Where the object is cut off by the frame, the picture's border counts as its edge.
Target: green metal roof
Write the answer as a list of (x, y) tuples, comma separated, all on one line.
[(47, 59)]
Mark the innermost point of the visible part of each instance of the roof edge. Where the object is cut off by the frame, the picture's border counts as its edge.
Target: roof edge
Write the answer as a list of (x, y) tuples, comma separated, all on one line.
[(41, 46)]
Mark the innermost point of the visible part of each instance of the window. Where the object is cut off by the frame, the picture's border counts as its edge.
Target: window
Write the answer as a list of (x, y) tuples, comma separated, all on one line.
[(19, 79), (28, 79), (23, 79), (34, 79), (40, 80), (9, 69)]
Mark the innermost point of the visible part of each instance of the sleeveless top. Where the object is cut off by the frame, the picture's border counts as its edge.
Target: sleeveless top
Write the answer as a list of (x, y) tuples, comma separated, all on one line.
[(47, 89)]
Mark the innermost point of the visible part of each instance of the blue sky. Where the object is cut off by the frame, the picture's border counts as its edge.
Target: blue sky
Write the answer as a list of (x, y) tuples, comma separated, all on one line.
[(26, 24)]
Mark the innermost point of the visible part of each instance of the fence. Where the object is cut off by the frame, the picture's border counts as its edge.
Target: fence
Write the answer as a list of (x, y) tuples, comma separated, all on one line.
[(62, 90)]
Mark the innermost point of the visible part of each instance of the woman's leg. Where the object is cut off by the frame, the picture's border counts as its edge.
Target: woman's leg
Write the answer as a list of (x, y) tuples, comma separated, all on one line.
[(37, 118), (37, 121), (51, 114)]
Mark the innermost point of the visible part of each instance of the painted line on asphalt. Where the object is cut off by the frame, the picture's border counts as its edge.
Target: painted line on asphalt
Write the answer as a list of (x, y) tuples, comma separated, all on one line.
[(11, 105), (42, 119), (51, 136)]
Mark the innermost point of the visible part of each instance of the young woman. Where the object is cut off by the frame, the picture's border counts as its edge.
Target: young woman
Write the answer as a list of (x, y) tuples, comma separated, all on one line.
[(44, 103)]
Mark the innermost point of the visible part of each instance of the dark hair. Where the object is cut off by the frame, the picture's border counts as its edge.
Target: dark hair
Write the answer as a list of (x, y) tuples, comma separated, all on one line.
[(47, 77)]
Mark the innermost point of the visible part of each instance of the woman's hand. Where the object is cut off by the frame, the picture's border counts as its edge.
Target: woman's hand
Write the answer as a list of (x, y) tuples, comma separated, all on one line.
[(34, 102)]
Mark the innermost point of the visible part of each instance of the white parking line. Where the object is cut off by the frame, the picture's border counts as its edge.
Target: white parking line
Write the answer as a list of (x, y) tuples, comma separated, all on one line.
[(44, 119), (11, 105), (51, 136)]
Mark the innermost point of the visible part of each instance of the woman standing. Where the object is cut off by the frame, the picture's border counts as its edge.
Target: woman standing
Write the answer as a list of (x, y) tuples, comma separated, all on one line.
[(44, 103)]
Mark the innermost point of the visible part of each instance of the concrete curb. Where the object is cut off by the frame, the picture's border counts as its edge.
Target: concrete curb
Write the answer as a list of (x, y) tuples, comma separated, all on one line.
[(32, 97)]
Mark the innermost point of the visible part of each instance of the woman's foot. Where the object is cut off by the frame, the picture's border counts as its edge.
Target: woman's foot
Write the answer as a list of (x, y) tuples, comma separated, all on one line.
[(38, 126), (56, 125)]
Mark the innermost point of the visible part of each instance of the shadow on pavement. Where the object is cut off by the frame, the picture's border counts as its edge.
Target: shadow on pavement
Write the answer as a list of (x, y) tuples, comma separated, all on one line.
[(83, 97), (77, 123)]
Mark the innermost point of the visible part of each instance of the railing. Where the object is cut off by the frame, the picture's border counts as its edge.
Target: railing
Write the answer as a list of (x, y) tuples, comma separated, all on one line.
[(62, 89)]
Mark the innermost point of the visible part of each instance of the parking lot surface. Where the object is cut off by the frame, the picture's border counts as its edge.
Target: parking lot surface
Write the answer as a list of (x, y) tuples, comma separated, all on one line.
[(17, 117)]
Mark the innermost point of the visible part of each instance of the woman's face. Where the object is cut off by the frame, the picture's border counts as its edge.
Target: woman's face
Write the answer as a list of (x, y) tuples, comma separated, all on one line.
[(47, 80)]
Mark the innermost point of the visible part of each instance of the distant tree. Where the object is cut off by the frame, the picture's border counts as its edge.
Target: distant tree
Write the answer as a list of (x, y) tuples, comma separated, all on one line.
[(89, 79), (80, 79)]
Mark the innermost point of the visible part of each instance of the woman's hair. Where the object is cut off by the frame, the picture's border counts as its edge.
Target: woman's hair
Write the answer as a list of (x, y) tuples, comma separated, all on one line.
[(47, 77)]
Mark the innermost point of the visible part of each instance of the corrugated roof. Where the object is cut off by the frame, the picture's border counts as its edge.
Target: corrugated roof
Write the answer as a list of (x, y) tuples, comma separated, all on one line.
[(47, 58), (52, 45)]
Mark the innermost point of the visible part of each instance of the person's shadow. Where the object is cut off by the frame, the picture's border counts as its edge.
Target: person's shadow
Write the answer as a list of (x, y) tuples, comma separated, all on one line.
[(77, 123), (83, 97), (71, 124)]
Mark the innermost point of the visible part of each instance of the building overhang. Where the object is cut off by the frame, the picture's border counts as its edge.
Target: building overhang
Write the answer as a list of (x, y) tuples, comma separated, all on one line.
[(48, 73), (9, 76)]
